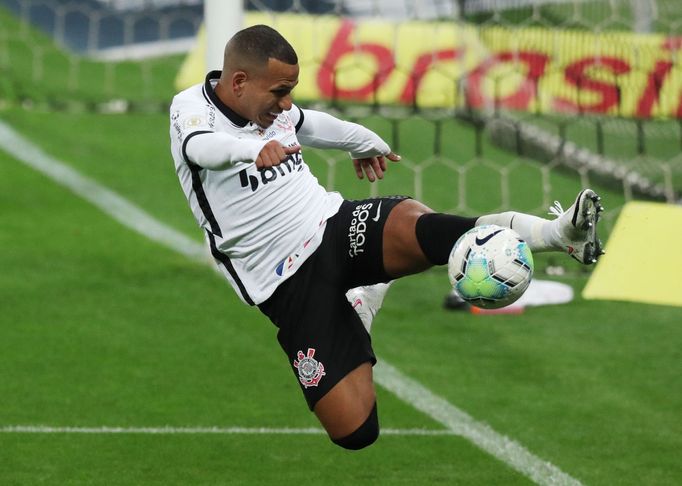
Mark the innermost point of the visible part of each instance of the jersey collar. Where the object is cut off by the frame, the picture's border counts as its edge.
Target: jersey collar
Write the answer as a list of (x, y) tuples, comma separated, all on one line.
[(209, 93)]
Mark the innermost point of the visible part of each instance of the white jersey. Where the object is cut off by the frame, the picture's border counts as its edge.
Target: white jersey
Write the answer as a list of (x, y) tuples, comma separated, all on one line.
[(261, 225)]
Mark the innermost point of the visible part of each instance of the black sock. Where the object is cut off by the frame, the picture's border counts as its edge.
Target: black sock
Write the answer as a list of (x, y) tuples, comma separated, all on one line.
[(438, 232)]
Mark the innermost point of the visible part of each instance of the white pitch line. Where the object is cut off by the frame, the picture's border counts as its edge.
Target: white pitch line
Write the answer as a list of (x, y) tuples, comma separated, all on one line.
[(410, 391), (114, 205), (47, 429), (462, 424)]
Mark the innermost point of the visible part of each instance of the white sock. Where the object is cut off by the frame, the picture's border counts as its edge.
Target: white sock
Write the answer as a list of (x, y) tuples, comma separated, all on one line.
[(538, 232)]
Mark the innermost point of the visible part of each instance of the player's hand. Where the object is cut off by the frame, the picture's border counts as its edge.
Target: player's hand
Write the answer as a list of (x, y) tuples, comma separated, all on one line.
[(374, 167), (273, 153)]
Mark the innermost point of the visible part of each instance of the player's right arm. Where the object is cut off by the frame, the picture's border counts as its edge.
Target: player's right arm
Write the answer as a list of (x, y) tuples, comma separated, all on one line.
[(218, 151), (199, 144)]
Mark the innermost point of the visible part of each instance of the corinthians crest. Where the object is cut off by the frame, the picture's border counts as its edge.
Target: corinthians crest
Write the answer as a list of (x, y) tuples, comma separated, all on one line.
[(310, 371)]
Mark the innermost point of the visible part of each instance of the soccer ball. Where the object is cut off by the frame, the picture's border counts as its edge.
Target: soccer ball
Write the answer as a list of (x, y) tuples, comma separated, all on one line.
[(490, 266)]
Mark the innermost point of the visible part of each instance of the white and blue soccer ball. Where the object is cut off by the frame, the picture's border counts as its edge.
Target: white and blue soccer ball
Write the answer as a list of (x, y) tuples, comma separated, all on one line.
[(490, 266)]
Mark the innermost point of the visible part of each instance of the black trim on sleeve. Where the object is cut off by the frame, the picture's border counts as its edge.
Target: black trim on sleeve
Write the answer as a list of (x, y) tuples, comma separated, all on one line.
[(198, 189), (225, 260), (187, 139), (300, 120)]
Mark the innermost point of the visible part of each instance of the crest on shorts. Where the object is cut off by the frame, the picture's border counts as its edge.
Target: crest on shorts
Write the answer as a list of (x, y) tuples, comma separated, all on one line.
[(310, 371)]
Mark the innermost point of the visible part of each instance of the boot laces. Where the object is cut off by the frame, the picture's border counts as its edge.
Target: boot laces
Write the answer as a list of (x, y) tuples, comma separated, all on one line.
[(557, 209)]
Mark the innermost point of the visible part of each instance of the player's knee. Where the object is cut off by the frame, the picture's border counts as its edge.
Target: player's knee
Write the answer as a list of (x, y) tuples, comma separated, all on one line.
[(364, 436)]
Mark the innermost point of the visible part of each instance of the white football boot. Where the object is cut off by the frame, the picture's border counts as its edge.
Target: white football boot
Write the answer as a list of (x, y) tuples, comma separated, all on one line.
[(575, 230), (366, 301)]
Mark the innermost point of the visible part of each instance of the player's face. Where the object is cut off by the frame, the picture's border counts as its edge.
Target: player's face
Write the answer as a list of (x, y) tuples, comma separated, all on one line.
[(268, 92)]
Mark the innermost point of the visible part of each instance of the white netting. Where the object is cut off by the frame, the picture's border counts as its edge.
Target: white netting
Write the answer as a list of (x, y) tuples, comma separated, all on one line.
[(89, 50)]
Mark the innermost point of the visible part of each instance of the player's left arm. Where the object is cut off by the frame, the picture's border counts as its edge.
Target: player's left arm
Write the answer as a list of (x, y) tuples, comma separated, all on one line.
[(367, 149)]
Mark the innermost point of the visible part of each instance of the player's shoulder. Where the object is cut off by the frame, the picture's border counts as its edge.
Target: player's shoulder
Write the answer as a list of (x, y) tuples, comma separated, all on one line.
[(293, 112), (190, 96), (295, 115)]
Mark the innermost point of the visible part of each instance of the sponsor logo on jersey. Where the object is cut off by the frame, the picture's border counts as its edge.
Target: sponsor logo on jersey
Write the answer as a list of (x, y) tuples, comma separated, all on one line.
[(310, 371), (293, 163), (357, 229), (287, 264)]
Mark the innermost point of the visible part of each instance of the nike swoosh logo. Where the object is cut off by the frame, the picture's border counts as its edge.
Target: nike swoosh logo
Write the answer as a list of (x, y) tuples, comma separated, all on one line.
[(482, 241), (376, 218)]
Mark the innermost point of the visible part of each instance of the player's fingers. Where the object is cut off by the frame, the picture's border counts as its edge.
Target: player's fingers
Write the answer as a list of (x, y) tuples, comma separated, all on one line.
[(294, 149), (382, 163), (368, 170), (261, 163), (394, 157), (273, 153), (376, 163), (278, 155), (265, 157), (269, 158), (358, 169)]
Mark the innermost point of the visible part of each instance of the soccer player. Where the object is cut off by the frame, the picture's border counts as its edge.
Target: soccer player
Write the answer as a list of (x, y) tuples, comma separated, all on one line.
[(293, 249)]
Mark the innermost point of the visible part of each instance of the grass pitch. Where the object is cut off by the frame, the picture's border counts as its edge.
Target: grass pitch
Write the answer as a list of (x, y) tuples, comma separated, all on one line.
[(101, 327)]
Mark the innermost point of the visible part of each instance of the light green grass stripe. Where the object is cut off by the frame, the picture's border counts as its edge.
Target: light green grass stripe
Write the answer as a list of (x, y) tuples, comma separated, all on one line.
[(386, 375)]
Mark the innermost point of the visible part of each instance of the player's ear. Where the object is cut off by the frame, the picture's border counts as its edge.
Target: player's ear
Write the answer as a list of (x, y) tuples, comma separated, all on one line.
[(238, 80)]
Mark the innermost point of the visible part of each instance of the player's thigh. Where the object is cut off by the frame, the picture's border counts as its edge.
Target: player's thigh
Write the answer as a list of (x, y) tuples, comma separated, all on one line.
[(322, 335), (402, 254), (348, 404), (375, 240)]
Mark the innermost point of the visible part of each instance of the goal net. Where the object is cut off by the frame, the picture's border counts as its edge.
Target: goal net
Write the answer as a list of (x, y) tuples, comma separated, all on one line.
[(492, 103)]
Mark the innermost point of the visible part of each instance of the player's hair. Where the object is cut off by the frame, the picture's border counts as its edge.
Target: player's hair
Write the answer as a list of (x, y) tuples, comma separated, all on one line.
[(256, 44)]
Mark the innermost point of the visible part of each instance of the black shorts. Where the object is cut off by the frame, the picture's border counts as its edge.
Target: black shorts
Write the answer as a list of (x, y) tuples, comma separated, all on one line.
[(318, 328)]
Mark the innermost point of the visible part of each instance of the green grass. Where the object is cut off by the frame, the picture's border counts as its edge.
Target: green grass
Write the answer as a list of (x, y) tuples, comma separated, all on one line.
[(101, 327)]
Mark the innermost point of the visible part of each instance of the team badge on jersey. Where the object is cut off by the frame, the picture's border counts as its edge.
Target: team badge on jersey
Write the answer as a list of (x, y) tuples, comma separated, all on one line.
[(194, 122), (310, 371)]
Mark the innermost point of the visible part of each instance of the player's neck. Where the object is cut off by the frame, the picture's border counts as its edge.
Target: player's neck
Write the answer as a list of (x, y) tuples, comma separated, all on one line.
[(224, 95), (228, 99)]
